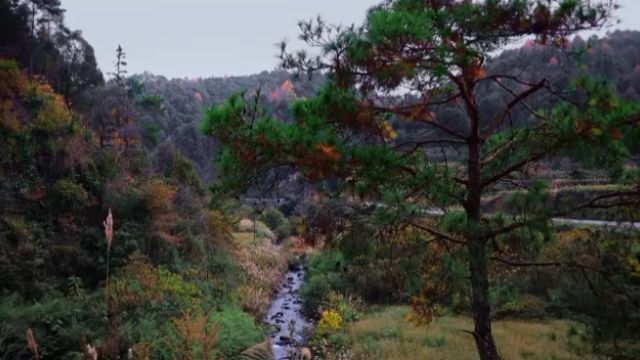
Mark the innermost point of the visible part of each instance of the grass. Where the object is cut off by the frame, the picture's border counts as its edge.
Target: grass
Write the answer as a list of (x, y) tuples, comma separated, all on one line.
[(263, 265), (243, 239), (388, 335)]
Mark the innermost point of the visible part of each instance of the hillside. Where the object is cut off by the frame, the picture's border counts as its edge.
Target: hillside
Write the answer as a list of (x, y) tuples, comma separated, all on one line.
[(442, 180)]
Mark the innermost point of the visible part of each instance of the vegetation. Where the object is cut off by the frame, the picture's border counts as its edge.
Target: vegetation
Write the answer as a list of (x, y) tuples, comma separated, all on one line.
[(424, 172), (388, 335), (437, 56), (109, 248)]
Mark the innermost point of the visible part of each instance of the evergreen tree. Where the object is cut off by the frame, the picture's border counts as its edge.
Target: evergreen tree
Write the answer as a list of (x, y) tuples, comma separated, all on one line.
[(410, 60)]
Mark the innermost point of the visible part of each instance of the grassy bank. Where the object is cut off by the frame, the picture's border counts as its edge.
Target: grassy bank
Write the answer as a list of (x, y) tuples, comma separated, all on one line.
[(387, 334)]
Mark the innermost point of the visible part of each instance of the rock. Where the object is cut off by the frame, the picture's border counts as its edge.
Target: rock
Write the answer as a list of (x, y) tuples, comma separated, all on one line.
[(305, 353), (285, 339), (277, 315)]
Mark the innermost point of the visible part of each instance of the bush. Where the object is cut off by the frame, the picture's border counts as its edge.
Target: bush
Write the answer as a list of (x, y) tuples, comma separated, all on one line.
[(68, 196), (275, 220), (326, 262), (323, 279), (330, 322), (347, 306), (150, 335), (238, 331), (60, 325)]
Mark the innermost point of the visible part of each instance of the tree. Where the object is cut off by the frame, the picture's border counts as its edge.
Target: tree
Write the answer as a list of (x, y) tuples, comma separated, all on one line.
[(120, 73), (408, 62), (77, 68), (33, 32)]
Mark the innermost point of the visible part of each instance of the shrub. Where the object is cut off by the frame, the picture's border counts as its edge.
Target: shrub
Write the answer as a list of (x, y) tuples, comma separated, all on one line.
[(318, 288), (347, 306), (69, 196), (330, 322), (151, 336), (326, 262), (323, 278), (238, 331), (140, 287), (275, 220), (59, 324)]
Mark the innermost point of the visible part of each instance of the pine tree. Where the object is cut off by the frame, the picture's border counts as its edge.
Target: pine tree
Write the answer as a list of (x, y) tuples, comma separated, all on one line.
[(409, 61)]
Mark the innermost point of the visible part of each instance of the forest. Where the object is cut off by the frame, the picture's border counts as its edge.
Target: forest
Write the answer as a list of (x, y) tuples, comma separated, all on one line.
[(450, 179)]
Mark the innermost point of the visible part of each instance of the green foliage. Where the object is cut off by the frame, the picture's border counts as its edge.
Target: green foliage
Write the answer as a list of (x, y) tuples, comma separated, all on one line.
[(238, 331), (347, 307), (323, 278), (63, 168), (275, 220), (437, 54), (59, 324), (69, 195)]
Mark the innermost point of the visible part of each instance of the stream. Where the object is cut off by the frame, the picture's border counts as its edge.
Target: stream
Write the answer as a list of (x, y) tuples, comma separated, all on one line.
[(288, 324), (285, 317)]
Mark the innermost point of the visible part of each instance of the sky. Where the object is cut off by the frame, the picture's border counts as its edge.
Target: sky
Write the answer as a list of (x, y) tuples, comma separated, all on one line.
[(202, 38)]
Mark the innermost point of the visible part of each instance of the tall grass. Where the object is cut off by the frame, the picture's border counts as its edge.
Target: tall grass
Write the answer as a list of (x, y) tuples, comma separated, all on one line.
[(108, 234)]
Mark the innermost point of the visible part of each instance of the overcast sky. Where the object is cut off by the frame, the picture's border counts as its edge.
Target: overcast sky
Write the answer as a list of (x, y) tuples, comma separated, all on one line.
[(201, 38)]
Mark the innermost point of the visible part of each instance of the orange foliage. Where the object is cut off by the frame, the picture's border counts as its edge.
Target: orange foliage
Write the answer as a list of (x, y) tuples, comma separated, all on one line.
[(426, 306), (30, 104), (123, 295), (388, 132), (159, 197), (288, 87), (220, 224), (196, 332), (322, 161), (143, 350), (140, 283), (474, 71), (329, 151)]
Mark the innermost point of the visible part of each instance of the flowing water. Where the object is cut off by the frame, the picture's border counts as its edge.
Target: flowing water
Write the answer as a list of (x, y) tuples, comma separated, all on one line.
[(285, 317)]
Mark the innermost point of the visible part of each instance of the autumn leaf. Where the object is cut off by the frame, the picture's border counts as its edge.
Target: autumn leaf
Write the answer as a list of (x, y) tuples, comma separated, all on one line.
[(388, 132), (329, 151)]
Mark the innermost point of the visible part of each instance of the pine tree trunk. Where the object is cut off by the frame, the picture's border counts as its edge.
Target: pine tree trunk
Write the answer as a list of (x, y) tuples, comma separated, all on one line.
[(481, 305)]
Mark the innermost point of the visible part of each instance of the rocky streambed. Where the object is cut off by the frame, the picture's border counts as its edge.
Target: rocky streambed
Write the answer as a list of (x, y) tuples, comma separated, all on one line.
[(285, 317)]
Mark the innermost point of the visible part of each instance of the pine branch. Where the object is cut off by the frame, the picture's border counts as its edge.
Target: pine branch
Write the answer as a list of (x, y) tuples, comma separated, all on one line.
[(499, 120)]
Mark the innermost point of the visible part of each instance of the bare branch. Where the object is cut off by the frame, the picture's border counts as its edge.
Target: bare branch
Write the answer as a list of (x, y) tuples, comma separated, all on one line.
[(571, 264), (591, 203), (512, 168), (438, 233), (497, 122)]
